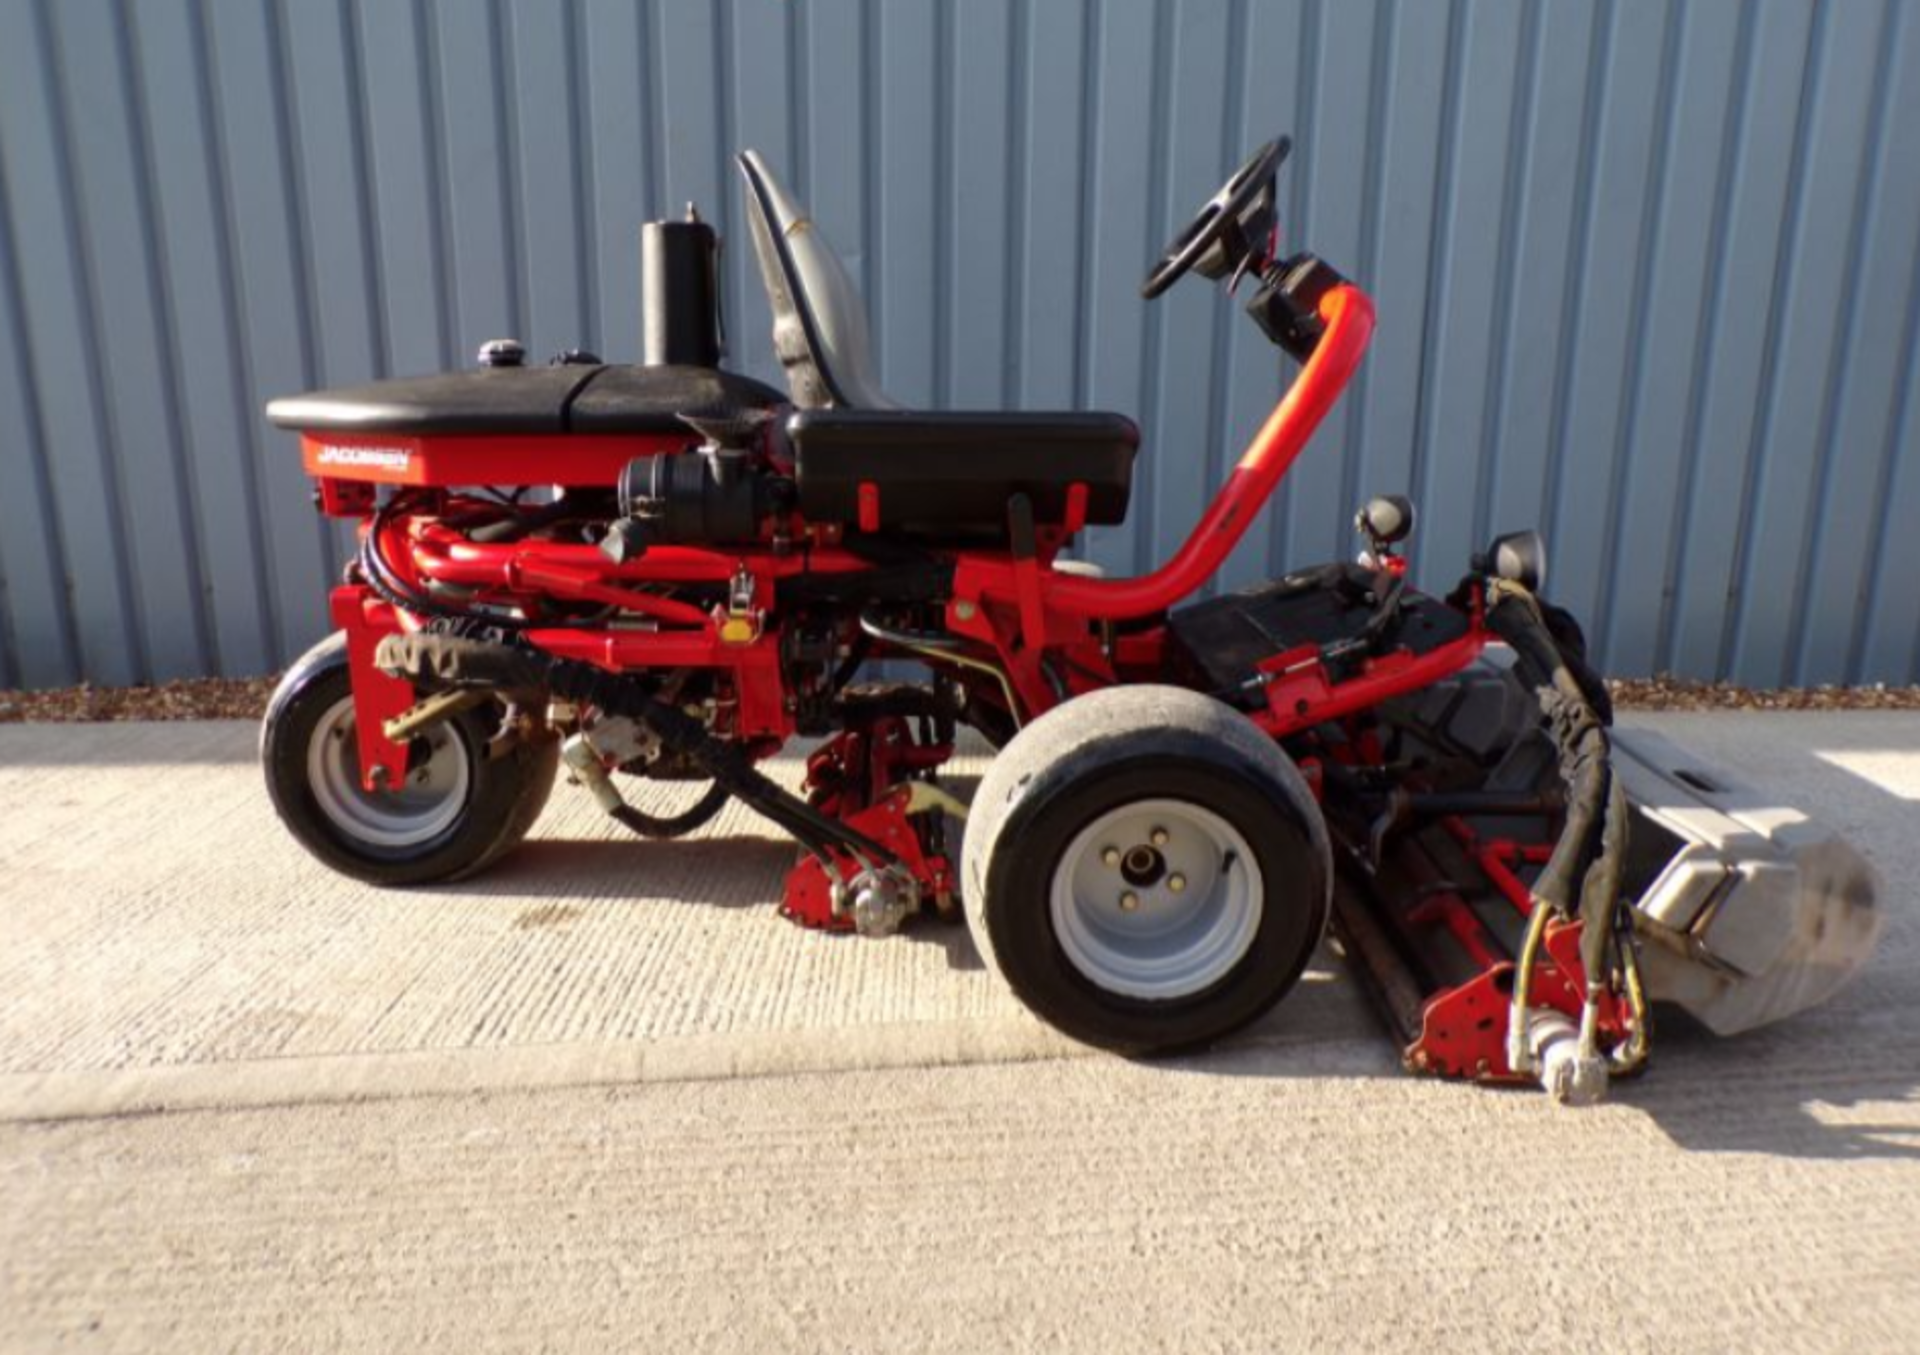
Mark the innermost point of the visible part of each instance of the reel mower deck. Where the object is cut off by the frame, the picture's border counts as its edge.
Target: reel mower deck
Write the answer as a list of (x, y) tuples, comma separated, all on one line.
[(668, 571)]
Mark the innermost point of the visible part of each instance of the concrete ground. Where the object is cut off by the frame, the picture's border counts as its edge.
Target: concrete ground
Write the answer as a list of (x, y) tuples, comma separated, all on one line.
[(604, 1096)]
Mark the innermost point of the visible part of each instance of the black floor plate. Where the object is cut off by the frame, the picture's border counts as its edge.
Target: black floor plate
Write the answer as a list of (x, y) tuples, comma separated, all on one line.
[(1219, 642)]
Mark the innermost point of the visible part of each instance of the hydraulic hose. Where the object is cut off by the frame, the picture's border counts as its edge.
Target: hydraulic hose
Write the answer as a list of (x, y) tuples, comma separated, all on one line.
[(1578, 734), (395, 591), (1592, 845), (697, 815), (944, 649), (472, 653)]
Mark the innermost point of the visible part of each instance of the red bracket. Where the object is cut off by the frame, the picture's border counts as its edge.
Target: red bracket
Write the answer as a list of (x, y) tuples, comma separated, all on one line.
[(343, 498), (377, 698), (1463, 1031), (808, 895)]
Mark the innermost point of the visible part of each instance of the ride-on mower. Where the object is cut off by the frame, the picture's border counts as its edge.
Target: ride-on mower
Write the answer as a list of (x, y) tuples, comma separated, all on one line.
[(668, 571)]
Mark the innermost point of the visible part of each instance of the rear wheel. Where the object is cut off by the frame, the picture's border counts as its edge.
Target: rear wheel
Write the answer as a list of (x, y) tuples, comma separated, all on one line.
[(461, 806), (1146, 869)]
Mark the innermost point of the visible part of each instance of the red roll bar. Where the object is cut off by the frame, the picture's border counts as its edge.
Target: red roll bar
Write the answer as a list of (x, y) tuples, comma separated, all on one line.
[(1348, 314)]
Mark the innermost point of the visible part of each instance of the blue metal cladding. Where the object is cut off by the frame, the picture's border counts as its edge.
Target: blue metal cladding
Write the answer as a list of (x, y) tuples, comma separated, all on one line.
[(1646, 274)]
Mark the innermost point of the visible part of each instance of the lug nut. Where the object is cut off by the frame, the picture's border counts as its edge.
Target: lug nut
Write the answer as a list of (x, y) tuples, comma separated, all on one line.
[(1159, 836), (1177, 883), (1129, 901), (1110, 855)]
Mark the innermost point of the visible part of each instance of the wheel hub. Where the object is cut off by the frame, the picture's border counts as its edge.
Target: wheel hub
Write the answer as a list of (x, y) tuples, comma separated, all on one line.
[(1143, 865), (1157, 900), (425, 804)]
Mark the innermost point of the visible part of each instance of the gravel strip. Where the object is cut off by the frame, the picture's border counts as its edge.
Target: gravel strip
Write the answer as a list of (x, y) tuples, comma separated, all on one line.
[(1671, 693), (188, 699), (246, 699)]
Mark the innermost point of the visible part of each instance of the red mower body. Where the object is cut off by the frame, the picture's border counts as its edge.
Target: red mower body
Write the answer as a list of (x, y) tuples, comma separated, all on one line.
[(670, 572)]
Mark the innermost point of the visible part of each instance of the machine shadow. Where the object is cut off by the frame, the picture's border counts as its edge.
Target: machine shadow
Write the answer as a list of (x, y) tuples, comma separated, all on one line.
[(1768, 1093), (1786, 1090), (1806, 1088), (1756, 1094), (733, 872), (725, 872)]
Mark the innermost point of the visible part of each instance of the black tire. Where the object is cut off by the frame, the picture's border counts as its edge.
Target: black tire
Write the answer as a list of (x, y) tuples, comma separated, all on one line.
[(1084, 764), (498, 799)]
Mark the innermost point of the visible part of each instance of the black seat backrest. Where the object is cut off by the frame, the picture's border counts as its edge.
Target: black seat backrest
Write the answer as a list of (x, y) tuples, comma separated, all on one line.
[(819, 322)]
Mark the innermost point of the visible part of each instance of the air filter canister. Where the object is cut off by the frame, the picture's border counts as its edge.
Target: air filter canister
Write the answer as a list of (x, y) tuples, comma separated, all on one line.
[(680, 293)]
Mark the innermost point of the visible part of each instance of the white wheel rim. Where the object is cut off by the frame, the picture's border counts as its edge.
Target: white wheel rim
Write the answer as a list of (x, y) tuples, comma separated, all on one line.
[(1172, 915), (425, 806)]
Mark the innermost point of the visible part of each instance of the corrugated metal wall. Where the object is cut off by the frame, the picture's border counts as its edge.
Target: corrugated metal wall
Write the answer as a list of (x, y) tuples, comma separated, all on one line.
[(1646, 273)]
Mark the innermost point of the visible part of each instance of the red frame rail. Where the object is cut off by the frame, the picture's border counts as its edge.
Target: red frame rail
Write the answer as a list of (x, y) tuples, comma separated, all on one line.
[(1020, 612)]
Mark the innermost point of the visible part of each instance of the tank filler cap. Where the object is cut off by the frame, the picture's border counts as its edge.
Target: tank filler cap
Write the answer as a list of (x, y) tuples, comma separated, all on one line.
[(502, 353)]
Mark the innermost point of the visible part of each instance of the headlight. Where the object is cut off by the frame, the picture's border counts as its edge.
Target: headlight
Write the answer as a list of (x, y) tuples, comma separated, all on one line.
[(1517, 557)]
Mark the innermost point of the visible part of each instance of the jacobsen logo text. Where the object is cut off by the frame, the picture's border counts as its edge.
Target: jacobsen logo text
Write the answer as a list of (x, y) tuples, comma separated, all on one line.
[(386, 458)]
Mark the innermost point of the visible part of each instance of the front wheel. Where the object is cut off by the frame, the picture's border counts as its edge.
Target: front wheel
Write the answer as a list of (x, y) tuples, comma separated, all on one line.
[(1146, 869), (460, 807)]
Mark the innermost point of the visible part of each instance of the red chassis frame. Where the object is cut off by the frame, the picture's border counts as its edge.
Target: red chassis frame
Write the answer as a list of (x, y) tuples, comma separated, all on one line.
[(1025, 618)]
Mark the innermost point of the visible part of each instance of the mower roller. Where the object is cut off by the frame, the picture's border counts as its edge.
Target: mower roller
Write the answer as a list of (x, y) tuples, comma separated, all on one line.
[(669, 571)]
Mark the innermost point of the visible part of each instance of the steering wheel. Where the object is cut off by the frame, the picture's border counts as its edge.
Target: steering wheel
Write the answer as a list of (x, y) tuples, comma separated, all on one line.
[(1210, 224)]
